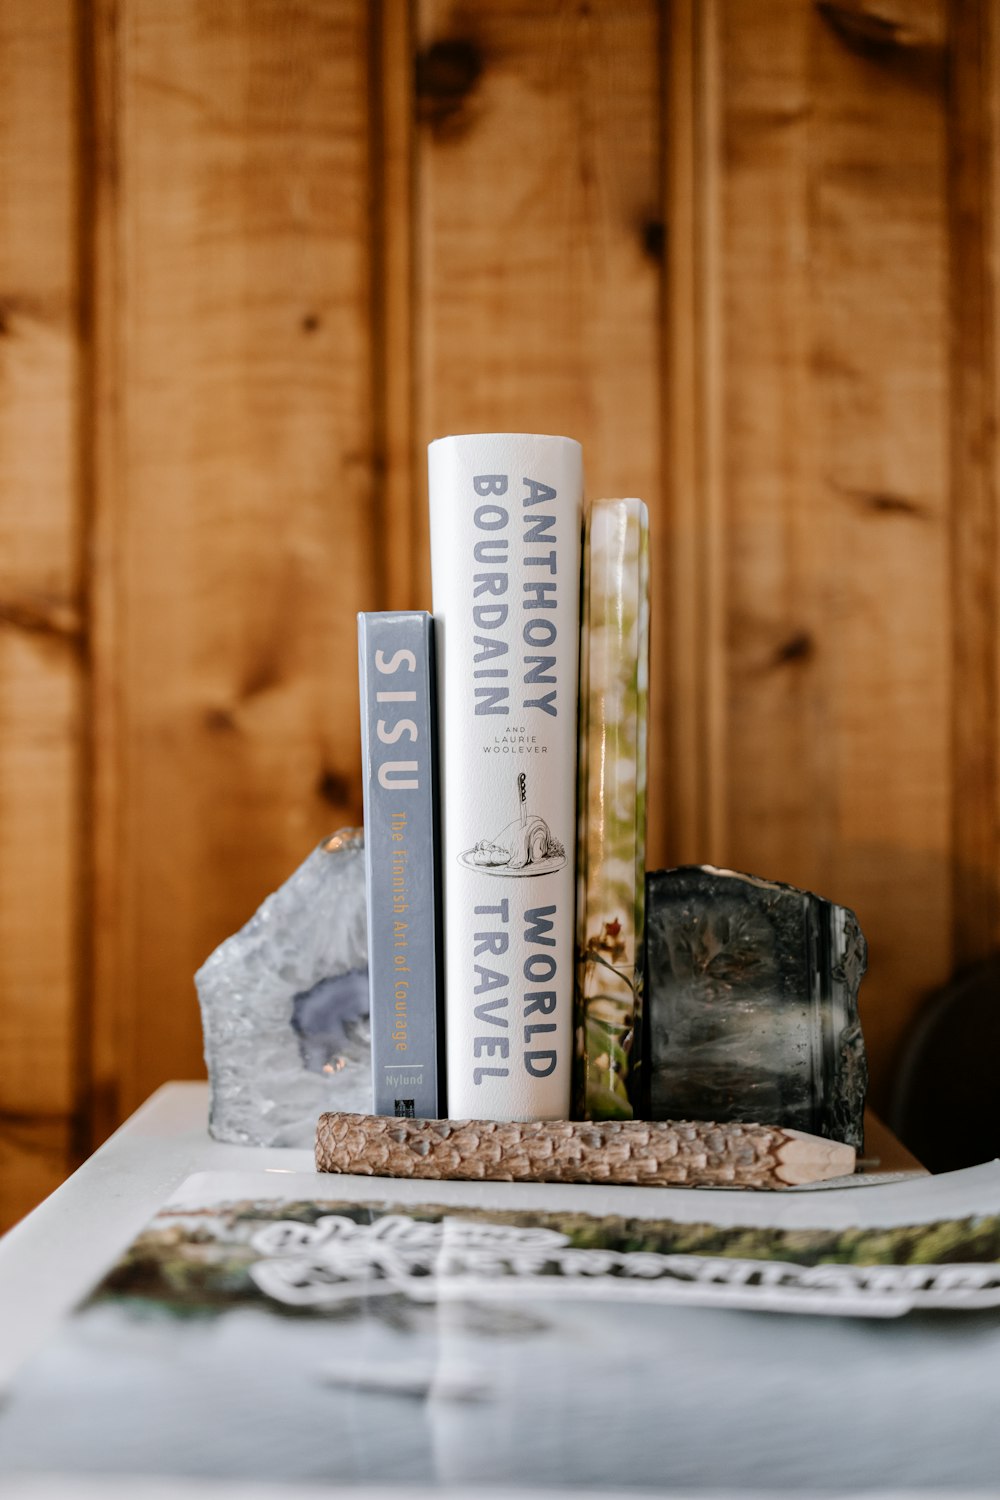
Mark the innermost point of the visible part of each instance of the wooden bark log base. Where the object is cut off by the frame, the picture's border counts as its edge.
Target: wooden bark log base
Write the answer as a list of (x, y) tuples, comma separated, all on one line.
[(633, 1152)]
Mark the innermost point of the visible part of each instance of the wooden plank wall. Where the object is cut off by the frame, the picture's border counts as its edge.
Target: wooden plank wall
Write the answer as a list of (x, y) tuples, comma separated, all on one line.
[(43, 740), (234, 485), (255, 253)]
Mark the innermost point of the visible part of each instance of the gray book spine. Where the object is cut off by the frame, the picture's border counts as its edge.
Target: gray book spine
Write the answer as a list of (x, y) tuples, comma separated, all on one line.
[(396, 662)]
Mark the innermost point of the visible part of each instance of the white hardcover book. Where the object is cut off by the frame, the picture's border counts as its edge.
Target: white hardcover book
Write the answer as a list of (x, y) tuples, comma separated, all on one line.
[(505, 556)]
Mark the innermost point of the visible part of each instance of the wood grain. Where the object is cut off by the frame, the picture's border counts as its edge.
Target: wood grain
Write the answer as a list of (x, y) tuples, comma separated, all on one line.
[(102, 474), (540, 238), (42, 625), (974, 201), (833, 436), (400, 463), (688, 547), (238, 533)]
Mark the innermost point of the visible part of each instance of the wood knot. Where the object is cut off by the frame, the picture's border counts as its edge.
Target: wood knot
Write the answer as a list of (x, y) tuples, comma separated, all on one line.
[(59, 619), (887, 503), (654, 238), (333, 788), (886, 32), (799, 647), (446, 76), (219, 720)]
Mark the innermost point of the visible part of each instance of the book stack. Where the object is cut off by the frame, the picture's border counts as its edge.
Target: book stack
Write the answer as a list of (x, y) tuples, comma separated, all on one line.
[(505, 796)]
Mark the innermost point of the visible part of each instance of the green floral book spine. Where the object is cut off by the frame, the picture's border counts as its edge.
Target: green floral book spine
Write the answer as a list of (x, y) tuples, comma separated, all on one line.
[(611, 838)]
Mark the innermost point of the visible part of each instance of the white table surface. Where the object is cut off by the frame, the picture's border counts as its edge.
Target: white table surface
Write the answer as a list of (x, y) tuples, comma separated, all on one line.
[(855, 1406), (53, 1257)]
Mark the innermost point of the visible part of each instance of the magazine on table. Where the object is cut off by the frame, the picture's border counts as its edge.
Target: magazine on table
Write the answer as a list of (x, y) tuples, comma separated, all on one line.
[(439, 1330)]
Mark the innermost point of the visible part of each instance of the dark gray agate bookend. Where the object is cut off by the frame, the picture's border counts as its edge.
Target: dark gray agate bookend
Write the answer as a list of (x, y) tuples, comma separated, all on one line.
[(752, 1004)]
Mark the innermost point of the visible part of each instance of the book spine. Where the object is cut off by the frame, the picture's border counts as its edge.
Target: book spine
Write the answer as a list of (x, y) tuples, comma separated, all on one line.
[(505, 560), (611, 852), (398, 730)]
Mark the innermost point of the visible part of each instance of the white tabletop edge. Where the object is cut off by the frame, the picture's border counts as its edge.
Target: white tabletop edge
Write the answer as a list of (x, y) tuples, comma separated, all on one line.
[(104, 1204)]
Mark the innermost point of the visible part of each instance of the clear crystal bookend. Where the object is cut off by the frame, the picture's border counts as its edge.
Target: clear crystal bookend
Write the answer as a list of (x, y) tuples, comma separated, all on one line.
[(284, 1005)]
